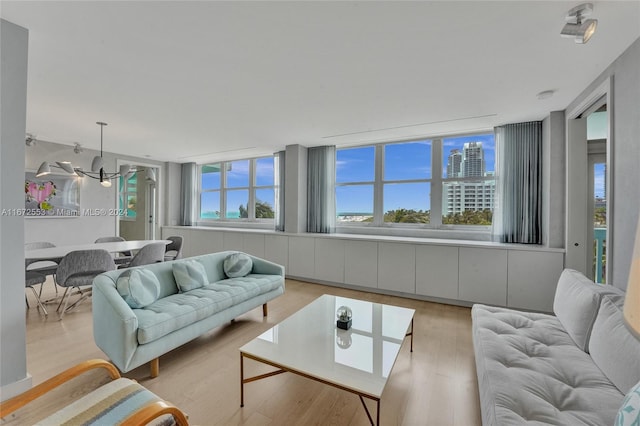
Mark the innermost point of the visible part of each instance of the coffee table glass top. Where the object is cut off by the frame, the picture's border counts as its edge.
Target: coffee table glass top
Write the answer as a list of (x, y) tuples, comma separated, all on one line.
[(359, 359)]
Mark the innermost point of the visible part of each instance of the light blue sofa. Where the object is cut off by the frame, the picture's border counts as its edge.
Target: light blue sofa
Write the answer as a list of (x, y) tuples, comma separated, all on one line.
[(132, 337)]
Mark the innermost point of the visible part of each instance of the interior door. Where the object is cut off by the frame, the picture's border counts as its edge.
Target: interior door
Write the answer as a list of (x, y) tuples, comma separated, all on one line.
[(578, 254)]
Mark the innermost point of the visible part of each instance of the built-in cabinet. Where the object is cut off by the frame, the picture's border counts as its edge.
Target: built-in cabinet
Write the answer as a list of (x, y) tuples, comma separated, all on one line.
[(522, 277)]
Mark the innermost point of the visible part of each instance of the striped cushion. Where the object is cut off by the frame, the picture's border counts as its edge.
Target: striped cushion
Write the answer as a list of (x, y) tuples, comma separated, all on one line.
[(237, 265), (110, 404)]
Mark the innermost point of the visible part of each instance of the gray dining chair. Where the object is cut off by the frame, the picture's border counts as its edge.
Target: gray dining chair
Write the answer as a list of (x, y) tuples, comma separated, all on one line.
[(31, 279), (151, 253), (173, 250), (44, 267), (122, 257), (78, 269)]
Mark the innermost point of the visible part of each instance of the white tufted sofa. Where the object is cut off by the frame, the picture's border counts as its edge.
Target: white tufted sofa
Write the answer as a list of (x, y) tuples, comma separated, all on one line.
[(570, 369)]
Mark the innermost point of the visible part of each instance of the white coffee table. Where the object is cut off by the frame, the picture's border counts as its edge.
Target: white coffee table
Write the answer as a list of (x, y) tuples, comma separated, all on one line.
[(308, 343)]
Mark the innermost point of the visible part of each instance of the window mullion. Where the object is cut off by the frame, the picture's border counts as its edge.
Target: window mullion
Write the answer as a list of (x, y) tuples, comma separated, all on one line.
[(251, 208), (378, 191), (435, 215), (223, 190)]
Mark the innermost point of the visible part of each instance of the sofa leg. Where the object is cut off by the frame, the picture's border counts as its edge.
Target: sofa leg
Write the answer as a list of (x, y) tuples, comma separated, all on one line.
[(264, 310), (155, 367)]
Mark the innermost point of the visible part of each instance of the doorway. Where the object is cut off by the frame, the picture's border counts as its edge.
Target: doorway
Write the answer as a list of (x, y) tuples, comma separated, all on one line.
[(138, 202), (589, 194)]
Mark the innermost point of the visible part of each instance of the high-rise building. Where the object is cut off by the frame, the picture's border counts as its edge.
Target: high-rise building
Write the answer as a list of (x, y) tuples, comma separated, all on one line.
[(474, 195), (454, 163), (473, 160)]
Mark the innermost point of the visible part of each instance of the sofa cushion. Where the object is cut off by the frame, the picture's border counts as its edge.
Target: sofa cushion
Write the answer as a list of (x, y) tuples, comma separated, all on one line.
[(613, 348), (530, 371), (237, 265), (138, 287), (189, 274), (180, 310), (576, 304)]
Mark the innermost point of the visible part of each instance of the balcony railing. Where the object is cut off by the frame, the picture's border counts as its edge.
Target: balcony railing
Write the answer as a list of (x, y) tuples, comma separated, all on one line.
[(599, 236)]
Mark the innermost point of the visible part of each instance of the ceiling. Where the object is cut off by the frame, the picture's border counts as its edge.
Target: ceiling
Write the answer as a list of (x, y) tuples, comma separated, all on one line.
[(201, 81)]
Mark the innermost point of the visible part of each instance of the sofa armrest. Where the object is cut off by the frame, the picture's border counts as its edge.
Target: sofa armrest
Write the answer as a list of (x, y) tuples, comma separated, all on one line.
[(262, 266), (115, 325)]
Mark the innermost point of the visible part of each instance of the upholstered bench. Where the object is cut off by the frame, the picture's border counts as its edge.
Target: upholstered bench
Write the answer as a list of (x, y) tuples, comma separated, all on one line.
[(571, 369)]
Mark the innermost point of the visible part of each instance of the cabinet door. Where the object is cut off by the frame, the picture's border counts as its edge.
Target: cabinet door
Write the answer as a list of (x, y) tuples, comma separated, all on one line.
[(232, 241), (301, 257), (437, 271), (329, 260), (533, 276), (483, 275), (276, 249), (254, 244), (397, 267), (361, 263)]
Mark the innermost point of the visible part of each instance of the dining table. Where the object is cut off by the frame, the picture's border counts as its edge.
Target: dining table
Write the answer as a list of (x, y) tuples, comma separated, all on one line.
[(58, 252)]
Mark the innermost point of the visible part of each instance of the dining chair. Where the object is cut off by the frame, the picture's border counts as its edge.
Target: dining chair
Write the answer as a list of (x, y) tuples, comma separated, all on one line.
[(173, 250), (151, 253), (78, 269), (32, 278), (45, 267), (122, 257)]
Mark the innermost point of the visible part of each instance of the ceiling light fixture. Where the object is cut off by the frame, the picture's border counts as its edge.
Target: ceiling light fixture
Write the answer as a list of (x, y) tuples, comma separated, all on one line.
[(545, 94), (581, 31), (97, 166)]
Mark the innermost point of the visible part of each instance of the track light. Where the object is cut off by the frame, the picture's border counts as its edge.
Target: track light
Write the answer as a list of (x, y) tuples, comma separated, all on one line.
[(581, 31)]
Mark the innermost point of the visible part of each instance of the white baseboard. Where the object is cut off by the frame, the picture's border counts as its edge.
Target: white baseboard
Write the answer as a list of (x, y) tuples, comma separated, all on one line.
[(15, 388)]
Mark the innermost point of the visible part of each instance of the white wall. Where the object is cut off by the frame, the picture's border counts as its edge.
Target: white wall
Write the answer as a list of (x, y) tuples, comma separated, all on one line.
[(13, 98), (84, 229), (625, 170)]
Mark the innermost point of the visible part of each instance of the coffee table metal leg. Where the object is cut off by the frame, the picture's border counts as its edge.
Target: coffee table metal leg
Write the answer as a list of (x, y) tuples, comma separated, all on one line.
[(241, 380), (366, 409), (411, 334)]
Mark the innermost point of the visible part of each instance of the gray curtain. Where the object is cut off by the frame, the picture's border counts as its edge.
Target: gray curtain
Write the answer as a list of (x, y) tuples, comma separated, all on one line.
[(517, 215), (279, 163), (321, 195), (188, 194)]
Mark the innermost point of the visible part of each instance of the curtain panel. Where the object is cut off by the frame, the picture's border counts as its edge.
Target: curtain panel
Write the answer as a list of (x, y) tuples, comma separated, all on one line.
[(279, 163), (518, 204), (321, 195), (188, 194)]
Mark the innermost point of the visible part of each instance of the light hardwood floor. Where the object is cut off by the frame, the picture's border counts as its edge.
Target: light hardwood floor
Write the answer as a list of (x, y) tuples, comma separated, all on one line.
[(434, 385)]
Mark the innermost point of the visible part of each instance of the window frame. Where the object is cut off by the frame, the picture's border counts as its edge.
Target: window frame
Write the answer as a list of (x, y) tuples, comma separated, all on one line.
[(223, 189), (435, 227)]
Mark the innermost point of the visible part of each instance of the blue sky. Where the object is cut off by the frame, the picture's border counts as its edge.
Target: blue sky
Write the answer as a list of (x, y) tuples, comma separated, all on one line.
[(403, 161)]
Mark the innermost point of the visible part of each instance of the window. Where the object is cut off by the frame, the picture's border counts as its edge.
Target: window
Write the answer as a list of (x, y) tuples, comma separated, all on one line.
[(128, 196), (237, 190), (429, 183)]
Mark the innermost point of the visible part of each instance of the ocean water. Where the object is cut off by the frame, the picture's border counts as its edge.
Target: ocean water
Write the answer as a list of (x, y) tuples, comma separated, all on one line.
[(214, 215)]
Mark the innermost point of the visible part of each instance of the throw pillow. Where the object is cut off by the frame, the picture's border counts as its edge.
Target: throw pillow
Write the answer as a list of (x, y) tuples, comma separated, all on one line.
[(138, 287), (576, 304), (189, 275), (629, 413), (237, 265)]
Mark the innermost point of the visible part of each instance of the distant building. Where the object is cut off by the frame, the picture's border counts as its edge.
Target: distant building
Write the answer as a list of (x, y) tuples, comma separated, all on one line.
[(459, 196), (472, 160), (454, 164)]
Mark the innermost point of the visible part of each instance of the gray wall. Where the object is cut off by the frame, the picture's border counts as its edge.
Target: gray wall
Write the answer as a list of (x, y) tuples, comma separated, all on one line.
[(84, 229), (13, 98), (625, 170)]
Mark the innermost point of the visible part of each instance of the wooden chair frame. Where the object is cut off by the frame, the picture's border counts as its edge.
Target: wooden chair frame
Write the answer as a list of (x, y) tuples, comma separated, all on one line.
[(143, 416)]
